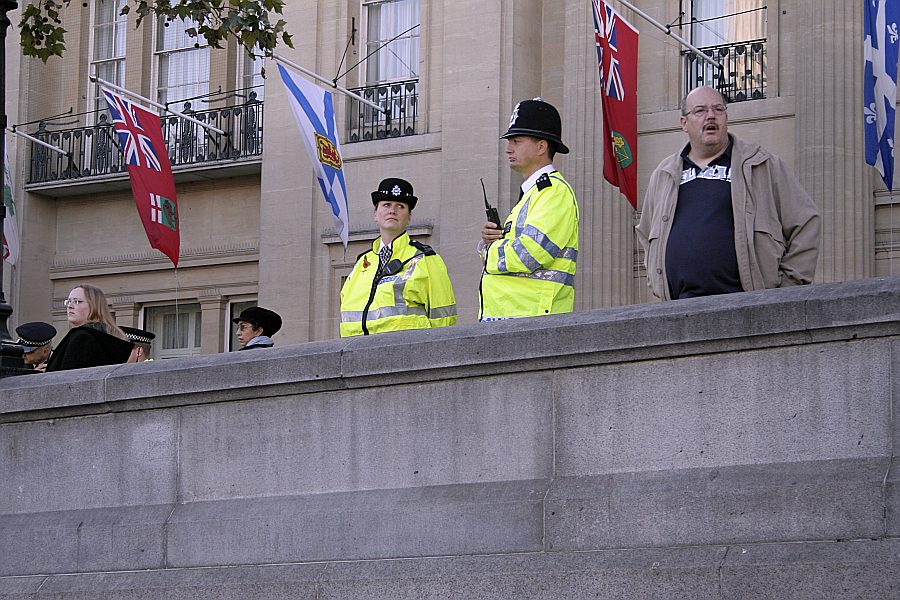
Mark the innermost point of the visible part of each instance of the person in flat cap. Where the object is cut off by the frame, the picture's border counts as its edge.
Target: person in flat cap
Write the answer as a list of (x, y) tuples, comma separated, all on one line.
[(400, 283), (256, 326), (142, 340), (37, 339), (529, 259)]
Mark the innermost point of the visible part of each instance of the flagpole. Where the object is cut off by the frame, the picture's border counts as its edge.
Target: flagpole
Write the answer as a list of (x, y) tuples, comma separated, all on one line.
[(37, 141), (113, 86), (329, 83), (668, 31)]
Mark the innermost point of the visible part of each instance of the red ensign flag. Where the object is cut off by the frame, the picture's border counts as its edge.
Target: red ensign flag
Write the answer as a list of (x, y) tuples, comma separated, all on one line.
[(617, 55), (152, 184)]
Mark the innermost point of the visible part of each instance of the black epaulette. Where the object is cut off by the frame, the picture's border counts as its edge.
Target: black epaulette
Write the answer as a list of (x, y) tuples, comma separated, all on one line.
[(425, 248), (543, 182)]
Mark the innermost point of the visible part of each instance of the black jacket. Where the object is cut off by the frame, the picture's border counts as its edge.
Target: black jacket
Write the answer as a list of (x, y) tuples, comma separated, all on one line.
[(86, 346)]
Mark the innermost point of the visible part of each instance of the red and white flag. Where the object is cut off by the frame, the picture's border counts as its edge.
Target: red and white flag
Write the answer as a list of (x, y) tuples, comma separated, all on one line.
[(152, 184), (617, 56)]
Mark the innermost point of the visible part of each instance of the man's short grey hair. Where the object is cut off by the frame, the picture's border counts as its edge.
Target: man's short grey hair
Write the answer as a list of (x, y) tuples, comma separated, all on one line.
[(682, 106)]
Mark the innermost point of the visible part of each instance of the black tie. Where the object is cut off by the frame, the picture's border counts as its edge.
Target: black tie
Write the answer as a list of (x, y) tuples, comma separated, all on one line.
[(384, 256)]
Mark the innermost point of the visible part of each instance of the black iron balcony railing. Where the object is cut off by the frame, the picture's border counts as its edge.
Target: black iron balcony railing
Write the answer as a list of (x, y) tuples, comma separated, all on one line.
[(400, 98), (743, 73), (94, 150)]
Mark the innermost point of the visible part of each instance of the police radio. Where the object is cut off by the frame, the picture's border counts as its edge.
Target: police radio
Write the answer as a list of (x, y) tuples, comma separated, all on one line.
[(492, 215)]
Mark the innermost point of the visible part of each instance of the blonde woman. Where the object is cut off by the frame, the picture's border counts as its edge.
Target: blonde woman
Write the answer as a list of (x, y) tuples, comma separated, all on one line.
[(94, 339)]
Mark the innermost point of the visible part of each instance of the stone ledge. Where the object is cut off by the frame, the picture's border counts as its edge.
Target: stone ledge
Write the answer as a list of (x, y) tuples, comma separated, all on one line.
[(809, 571), (735, 322)]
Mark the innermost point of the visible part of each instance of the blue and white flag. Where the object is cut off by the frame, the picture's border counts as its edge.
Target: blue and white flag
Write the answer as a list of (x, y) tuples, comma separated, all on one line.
[(313, 108), (880, 83)]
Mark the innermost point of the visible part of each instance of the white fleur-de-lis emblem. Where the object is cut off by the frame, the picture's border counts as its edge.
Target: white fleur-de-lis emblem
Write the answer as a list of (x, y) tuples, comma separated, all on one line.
[(869, 112), (514, 116), (892, 31), (395, 191)]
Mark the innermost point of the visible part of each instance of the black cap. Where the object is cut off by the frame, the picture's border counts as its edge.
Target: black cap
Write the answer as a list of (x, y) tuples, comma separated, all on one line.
[(393, 188), (263, 318), (538, 119), (35, 335), (138, 336)]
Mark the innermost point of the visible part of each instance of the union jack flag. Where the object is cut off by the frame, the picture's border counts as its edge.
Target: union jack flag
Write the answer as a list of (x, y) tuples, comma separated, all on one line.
[(610, 75), (136, 145)]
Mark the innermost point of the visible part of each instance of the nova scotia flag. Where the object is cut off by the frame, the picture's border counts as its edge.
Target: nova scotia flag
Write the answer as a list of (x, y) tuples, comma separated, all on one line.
[(880, 48), (313, 108)]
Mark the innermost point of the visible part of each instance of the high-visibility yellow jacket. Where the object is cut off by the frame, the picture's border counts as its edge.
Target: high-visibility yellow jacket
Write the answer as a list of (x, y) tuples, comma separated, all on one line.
[(531, 271), (418, 296)]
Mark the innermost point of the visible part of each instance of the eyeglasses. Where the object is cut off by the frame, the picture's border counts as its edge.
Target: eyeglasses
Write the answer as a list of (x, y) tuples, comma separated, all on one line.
[(72, 302), (699, 111), (245, 327)]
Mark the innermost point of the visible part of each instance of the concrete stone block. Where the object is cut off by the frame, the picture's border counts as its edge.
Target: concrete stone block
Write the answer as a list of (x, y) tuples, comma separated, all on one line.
[(858, 569), (126, 459), (812, 402), (892, 500), (426, 521), (456, 431), (819, 500), (83, 540), (20, 588), (81, 391)]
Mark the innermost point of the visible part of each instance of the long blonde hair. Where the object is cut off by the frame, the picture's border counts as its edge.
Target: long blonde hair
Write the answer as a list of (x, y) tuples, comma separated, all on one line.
[(100, 313)]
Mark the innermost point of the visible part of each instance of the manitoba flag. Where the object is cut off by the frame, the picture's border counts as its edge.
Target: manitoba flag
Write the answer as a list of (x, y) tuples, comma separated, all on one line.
[(617, 56), (152, 184)]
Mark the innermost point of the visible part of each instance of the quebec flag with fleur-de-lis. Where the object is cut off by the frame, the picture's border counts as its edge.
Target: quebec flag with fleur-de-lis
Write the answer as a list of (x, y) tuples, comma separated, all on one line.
[(880, 48)]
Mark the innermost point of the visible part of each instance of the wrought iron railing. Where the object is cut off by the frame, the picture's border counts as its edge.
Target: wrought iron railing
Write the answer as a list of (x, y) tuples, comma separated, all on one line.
[(400, 99), (94, 150), (743, 73)]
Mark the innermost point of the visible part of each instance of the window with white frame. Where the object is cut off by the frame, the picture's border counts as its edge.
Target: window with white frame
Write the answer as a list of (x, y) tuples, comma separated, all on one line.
[(108, 30), (399, 58), (733, 33), (182, 61), (177, 329), (251, 74)]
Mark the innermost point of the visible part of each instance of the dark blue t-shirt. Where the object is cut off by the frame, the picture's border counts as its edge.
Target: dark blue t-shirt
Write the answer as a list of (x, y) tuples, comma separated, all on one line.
[(700, 255)]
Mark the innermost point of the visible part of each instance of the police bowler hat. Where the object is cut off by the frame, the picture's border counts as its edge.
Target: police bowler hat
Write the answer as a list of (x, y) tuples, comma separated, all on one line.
[(538, 119), (138, 336), (261, 318), (35, 335), (395, 189)]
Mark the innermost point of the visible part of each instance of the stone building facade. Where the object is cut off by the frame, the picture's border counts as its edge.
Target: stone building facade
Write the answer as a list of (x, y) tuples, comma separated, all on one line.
[(253, 223)]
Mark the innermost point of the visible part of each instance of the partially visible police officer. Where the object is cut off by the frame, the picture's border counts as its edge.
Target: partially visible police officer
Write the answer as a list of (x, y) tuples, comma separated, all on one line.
[(529, 264), (37, 339), (143, 343), (400, 283)]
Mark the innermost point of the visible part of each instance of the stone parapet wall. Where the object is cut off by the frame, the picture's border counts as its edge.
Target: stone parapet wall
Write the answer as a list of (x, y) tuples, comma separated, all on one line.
[(717, 447)]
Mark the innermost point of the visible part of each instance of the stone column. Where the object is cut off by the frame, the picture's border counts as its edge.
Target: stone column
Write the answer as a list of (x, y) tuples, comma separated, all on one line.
[(605, 260), (830, 151), (212, 321)]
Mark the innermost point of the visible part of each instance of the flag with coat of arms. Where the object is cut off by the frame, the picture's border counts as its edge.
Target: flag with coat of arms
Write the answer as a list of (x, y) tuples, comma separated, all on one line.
[(152, 183), (313, 109), (617, 57), (880, 48), (11, 222)]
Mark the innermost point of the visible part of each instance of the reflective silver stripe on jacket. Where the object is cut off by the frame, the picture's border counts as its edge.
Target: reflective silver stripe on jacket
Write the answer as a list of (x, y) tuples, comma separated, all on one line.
[(522, 217), (525, 256), (547, 244), (560, 277), (442, 312), (501, 256)]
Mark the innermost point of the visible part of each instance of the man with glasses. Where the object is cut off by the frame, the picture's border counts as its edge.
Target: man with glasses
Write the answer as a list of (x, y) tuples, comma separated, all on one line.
[(724, 215), (255, 327)]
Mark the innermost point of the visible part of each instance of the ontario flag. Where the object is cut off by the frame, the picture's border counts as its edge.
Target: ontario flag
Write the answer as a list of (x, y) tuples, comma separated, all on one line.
[(152, 184), (617, 56), (313, 108)]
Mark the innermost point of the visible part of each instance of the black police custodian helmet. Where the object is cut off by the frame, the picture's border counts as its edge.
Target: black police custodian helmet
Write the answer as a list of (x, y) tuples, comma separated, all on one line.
[(263, 318), (138, 336), (538, 119), (396, 189)]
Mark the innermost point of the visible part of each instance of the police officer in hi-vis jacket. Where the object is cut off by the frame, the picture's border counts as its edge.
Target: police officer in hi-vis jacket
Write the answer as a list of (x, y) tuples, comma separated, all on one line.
[(529, 262), (400, 283)]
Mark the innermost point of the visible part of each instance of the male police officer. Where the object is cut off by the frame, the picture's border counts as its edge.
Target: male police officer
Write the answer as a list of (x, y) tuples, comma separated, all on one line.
[(142, 340), (529, 264), (37, 339), (400, 283)]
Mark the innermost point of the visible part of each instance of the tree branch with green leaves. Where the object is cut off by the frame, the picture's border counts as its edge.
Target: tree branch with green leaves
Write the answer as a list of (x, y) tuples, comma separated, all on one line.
[(248, 21)]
